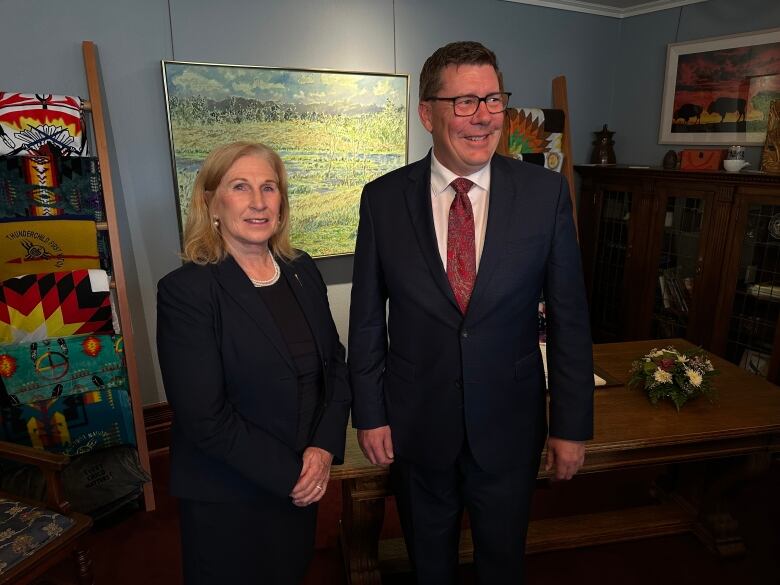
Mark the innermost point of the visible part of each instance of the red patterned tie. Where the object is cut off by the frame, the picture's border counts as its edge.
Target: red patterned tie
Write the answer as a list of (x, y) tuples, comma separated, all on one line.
[(461, 251)]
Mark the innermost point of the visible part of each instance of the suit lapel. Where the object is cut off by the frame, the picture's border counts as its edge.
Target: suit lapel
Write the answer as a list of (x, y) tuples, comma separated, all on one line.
[(499, 226), (418, 201), (303, 292), (236, 284)]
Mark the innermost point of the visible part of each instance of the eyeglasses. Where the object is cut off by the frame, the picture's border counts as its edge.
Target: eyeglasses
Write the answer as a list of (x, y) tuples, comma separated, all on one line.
[(467, 105)]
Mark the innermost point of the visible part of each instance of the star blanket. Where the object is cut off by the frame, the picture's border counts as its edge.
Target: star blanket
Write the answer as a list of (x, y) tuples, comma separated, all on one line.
[(55, 304), (535, 135), (47, 245), (30, 120), (60, 367)]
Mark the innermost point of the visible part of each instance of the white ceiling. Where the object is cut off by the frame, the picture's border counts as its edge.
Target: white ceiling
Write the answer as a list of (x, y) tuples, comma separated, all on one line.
[(613, 8)]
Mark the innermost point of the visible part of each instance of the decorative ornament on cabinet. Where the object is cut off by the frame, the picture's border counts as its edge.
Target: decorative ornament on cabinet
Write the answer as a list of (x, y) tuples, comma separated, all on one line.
[(603, 151)]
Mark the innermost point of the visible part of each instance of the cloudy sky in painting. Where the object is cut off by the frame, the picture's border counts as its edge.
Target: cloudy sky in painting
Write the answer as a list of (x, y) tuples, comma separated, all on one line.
[(218, 82)]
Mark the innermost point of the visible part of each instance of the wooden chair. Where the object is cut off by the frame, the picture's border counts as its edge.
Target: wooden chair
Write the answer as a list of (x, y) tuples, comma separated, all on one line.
[(36, 536)]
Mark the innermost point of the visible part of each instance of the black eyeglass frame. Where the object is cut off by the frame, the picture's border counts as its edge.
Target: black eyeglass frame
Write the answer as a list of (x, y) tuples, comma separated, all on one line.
[(478, 99)]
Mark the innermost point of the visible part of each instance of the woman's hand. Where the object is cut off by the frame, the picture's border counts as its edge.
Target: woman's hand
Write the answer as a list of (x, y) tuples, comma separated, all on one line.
[(313, 480)]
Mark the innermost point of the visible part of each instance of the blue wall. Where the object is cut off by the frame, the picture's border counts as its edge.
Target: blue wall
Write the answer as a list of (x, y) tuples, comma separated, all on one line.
[(608, 64), (641, 65)]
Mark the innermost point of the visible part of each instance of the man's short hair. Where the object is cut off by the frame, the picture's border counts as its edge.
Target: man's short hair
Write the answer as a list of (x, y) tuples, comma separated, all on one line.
[(459, 53)]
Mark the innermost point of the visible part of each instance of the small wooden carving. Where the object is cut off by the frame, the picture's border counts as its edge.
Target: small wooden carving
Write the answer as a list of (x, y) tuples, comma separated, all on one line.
[(770, 156)]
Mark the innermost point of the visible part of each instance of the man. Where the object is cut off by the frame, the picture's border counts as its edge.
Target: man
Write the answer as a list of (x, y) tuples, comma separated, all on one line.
[(455, 402)]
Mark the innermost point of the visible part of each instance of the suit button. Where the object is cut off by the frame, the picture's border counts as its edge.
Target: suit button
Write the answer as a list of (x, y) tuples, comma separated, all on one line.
[(465, 333), (325, 363), (459, 384)]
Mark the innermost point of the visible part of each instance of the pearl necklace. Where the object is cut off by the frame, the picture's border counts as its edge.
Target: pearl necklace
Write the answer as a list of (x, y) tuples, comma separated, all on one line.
[(270, 281)]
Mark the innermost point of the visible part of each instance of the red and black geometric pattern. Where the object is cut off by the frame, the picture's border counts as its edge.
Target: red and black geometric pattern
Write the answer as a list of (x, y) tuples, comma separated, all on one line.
[(55, 304)]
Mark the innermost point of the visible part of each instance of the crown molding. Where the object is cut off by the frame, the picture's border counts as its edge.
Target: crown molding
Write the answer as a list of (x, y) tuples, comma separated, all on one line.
[(606, 10)]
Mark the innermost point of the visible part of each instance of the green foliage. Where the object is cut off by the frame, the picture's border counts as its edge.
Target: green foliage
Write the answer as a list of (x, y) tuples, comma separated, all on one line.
[(329, 157), (673, 375), (761, 102)]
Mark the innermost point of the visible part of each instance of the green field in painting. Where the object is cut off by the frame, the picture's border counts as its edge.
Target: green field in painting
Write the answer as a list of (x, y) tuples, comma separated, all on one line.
[(328, 161)]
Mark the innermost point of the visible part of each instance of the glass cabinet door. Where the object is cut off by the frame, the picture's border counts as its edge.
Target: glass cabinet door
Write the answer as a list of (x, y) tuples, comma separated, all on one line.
[(679, 265), (609, 265), (754, 313)]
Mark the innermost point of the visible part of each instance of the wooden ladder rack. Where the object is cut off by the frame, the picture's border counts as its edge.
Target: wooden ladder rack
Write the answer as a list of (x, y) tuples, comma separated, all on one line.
[(95, 105)]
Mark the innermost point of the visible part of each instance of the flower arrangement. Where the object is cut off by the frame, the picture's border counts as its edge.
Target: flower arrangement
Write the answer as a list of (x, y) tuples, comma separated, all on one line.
[(674, 375)]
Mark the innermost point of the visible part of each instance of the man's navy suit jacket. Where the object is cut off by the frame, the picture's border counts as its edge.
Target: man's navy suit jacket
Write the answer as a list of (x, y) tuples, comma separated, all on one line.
[(438, 377)]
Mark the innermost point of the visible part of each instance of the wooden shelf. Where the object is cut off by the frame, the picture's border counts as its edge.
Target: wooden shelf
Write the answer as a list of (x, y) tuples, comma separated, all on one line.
[(569, 532), (723, 208)]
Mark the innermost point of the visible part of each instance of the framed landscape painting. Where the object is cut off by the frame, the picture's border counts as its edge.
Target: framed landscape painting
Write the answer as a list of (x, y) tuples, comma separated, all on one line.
[(718, 90), (335, 131)]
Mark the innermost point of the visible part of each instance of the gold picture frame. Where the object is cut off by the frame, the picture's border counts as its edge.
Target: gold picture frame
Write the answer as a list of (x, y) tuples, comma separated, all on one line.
[(335, 131), (718, 90)]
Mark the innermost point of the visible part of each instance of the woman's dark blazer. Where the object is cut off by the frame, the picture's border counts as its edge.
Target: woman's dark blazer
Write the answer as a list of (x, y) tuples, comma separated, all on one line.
[(232, 383)]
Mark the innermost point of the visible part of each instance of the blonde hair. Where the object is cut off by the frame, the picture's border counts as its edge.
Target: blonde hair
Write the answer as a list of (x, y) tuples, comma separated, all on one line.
[(203, 242)]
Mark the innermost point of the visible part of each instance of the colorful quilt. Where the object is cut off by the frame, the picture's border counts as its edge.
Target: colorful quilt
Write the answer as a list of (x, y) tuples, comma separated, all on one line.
[(60, 367), (46, 185), (73, 425), (40, 245), (30, 120), (55, 304), (535, 135)]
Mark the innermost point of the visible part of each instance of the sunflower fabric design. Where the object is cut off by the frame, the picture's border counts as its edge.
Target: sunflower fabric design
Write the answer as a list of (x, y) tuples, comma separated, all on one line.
[(535, 135)]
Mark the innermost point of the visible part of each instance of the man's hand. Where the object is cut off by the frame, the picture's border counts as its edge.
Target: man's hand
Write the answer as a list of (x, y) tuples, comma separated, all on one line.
[(376, 444), (313, 481), (565, 456)]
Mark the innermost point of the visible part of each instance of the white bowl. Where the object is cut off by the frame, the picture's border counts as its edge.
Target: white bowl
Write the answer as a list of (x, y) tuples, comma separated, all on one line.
[(734, 166)]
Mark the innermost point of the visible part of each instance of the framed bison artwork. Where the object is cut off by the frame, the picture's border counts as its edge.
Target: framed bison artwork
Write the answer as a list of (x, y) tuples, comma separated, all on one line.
[(718, 90)]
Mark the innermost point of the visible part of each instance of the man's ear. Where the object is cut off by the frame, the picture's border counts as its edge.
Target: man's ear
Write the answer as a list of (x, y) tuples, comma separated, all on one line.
[(425, 113)]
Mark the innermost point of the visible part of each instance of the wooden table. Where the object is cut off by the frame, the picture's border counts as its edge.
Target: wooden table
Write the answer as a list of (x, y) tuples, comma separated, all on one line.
[(738, 434)]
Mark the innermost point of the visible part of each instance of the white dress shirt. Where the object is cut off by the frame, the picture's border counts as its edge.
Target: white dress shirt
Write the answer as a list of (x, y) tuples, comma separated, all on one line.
[(442, 196)]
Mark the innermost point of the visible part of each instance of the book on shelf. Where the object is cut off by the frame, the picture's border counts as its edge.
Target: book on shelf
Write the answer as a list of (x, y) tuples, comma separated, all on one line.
[(664, 291), (765, 290), (755, 362), (676, 291)]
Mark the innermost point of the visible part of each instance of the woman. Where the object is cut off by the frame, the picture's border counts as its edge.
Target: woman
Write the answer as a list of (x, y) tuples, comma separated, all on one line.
[(255, 375)]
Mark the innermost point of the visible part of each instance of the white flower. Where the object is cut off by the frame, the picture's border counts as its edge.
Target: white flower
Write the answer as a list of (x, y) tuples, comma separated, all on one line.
[(662, 376), (693, 376), (682, 358)]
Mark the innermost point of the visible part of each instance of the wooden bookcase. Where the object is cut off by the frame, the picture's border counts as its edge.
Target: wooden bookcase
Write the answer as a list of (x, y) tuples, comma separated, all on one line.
[(671, 253)]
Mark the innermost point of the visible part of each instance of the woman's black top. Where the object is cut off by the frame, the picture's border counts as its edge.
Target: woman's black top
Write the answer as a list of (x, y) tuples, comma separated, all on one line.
[(289, 318)]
